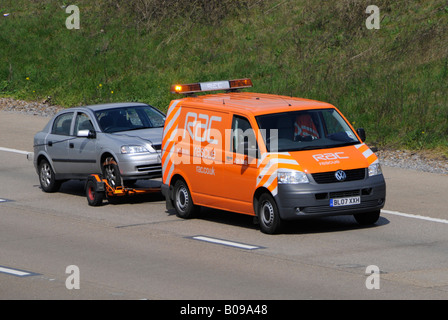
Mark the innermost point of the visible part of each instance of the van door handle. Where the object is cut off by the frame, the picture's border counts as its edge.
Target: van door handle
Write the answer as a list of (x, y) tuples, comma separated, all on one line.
[(50, 143), (71, 145)]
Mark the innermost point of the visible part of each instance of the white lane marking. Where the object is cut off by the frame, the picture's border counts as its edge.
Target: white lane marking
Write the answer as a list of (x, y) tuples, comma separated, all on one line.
[(226, 243), (14, 151), (29, 155), (415, 216), (15, 272)]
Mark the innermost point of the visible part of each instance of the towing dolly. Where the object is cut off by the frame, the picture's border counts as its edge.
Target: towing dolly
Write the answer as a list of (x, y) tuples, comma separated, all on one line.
[(98, 188)]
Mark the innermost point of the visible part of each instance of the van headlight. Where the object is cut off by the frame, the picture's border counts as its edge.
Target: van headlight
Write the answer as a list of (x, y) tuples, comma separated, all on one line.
[(292, 177), (134, 149), (375, 169)]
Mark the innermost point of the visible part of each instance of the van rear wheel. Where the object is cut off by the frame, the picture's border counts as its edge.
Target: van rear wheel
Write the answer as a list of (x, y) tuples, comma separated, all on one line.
[(268, 216), (183, 203)]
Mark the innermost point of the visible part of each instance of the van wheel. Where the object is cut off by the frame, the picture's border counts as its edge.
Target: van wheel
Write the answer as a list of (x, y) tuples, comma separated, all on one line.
[(47, 180), (268, 216), (367, 218), (183, 203)]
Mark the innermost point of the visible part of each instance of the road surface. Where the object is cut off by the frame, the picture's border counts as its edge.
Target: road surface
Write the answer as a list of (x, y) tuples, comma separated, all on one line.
[(136, 249)]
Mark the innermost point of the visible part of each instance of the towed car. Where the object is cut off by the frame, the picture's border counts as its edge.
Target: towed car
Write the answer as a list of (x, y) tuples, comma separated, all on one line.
[(121, 141)]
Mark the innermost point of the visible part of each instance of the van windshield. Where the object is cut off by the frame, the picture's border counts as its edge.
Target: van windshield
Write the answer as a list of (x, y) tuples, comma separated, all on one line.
[(305, 130)]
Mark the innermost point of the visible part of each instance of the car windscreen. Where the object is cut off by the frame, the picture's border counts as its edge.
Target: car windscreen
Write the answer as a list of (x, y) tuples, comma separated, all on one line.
[(305, 130), (129, 118)]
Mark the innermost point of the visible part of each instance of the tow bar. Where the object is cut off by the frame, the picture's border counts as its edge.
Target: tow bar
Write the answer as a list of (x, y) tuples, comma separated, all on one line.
[(97, 189)]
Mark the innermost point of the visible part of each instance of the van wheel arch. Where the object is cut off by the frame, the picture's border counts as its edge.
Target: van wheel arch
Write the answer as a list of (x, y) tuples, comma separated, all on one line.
[(257, 196), (175, 178)]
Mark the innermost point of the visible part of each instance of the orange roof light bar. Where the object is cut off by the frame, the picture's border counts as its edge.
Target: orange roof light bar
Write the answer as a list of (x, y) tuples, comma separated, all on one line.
[(211, 86)]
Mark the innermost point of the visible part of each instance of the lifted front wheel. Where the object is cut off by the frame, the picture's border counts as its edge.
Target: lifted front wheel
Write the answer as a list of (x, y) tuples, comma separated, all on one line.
[(112, 173)]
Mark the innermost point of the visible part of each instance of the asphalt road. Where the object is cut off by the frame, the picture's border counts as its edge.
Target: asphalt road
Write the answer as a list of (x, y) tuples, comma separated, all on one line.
[(136, 249)]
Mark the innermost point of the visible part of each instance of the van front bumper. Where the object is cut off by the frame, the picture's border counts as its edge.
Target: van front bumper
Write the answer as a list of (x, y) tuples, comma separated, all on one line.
[(297, 201)]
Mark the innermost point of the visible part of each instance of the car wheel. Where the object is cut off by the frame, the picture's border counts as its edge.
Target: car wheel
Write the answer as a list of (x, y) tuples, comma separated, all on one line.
[(268, 216), (112, 173), (94, 197), (183, 203), (367, 218), (47, 179)]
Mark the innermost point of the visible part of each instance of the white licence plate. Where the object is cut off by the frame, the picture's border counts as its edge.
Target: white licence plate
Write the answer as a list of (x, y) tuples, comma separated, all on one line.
[(338, 202)]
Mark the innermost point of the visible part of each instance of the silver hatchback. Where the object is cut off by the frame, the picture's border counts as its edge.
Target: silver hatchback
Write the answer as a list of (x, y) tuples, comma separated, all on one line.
[(121, 141)]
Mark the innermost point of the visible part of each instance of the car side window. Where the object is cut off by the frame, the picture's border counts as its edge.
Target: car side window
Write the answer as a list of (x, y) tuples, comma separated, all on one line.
[(156, 118), (82, 122), (62, 124), (243, 137)]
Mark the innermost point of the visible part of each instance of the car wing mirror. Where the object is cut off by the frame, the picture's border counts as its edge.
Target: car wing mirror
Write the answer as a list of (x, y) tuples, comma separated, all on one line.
[(90, 134)]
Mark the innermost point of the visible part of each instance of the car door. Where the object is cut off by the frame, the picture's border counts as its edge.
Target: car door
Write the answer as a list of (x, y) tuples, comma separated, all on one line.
[(82, 150), (57, 143)]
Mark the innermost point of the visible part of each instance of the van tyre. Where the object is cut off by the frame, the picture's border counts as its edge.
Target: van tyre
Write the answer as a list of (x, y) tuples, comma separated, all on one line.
[(183, 203), (367, 218), (268, 216), (47, 179)]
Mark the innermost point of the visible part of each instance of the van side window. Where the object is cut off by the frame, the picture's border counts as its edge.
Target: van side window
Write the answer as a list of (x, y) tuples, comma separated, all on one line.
[(62, 124), (243, 137)]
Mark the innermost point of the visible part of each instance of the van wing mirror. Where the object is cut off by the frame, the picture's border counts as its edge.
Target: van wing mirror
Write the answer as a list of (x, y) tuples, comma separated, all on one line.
[(361, 133)]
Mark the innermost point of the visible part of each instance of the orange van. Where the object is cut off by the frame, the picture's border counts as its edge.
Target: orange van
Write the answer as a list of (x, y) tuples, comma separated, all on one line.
[(274, 157)]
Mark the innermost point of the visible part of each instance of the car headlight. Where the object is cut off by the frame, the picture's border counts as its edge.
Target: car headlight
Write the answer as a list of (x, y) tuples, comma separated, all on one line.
[(134, 149), (292, 177), (375, 169)]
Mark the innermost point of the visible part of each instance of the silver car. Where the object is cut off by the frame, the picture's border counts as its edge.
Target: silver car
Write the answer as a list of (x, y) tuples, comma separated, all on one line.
[(121, 141)]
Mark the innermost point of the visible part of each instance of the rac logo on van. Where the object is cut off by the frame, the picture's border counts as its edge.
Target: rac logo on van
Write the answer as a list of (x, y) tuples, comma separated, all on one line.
[(329, 156), (200, 130)]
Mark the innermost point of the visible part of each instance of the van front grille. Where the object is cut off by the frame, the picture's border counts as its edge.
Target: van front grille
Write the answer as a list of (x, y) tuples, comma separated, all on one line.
[(329, 177)]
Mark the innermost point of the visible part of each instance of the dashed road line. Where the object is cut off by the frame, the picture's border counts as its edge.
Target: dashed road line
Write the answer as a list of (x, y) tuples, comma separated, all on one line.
[(14, 151), (17, 272), (226, 242), (29, 155)]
